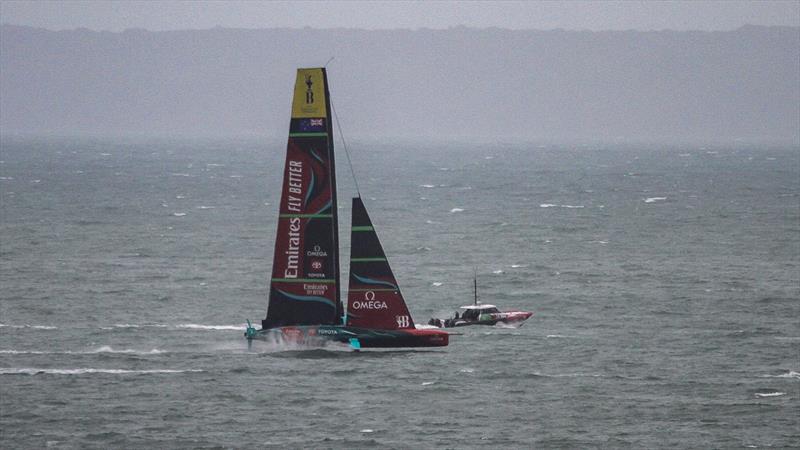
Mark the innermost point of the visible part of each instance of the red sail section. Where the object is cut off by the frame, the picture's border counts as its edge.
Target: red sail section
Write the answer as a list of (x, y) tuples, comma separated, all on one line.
[(373, 298), (305, 270)]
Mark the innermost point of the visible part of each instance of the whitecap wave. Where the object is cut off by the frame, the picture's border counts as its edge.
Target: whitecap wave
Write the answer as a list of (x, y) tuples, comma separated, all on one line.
[(109, 349), (35, 327), (455, 210), (23, 352), (769, 394), (428, 186), (178, 214), (654, 199), (791, 374), (553, 205), (436, 284)]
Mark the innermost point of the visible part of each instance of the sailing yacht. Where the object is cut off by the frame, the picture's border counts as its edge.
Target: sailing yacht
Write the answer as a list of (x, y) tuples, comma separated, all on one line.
[(304, 296)]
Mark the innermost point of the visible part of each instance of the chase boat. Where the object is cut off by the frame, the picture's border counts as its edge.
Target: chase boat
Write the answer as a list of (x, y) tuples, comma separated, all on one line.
[(482, 314)]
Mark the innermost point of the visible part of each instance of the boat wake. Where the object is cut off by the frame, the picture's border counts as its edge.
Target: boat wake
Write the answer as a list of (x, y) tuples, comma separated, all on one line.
[(278, 344), (193, 326), (180, 326), (103, 349), (82, 371)]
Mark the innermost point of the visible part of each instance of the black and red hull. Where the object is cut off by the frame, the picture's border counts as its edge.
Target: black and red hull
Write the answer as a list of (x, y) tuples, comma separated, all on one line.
[(321, 335)]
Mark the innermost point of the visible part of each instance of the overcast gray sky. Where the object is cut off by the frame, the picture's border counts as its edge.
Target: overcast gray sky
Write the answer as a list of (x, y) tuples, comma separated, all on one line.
[(591, 15)]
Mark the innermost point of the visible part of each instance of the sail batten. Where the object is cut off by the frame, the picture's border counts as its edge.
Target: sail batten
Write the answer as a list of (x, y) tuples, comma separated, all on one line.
[(304, 286)]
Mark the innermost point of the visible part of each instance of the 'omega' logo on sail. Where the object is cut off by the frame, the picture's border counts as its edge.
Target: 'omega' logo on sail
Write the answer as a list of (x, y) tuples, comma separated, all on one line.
[(369, 302), (317, 251)]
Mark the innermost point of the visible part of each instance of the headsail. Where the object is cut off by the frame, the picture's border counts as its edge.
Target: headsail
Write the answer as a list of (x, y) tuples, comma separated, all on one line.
[(305, 270), (373, 297)]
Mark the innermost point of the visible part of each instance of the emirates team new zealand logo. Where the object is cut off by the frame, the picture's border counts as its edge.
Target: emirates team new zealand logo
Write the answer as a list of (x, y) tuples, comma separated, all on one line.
[(309, 92)]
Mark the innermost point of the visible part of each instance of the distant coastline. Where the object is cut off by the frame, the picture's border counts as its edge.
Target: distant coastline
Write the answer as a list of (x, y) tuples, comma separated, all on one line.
[(555, 85)]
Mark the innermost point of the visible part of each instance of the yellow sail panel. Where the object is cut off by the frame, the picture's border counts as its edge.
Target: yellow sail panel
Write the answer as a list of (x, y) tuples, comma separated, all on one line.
[(309, 94)]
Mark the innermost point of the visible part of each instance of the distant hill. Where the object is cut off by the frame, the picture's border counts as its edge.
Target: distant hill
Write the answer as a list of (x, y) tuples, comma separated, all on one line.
[(458, 82)]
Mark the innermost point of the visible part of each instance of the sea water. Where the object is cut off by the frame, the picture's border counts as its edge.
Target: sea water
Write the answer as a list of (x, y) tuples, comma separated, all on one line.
[(664, 281)]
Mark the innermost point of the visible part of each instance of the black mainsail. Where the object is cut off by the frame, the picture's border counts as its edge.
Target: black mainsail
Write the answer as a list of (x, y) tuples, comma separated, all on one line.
[(304, 288)]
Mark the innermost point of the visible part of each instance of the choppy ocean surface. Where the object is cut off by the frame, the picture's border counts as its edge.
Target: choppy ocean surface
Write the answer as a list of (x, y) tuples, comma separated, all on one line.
[(665, 282)]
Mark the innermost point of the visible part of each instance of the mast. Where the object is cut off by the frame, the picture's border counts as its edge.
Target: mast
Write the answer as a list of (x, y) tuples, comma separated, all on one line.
[(335, 208), (475, 287), (304, 288)]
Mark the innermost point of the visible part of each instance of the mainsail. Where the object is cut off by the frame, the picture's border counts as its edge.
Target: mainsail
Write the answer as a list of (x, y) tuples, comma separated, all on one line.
[(305, 269), (373, 297)]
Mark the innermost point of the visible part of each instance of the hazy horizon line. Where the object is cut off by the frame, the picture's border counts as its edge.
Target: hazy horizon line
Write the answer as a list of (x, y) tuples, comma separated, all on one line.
[(451, 27), (502, 139)]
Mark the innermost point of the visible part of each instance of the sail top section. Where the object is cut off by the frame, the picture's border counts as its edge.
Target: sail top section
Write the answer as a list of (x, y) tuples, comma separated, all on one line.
[(309, 94)]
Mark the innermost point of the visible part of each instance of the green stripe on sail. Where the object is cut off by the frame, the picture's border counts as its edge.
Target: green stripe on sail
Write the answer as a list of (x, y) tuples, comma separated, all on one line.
[(364, 228), (367, 259), (306, 216), (308, 134), (305, 280), (374, 290)]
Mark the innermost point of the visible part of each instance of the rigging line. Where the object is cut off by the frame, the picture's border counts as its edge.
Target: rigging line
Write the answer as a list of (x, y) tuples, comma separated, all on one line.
[(346, 151)]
